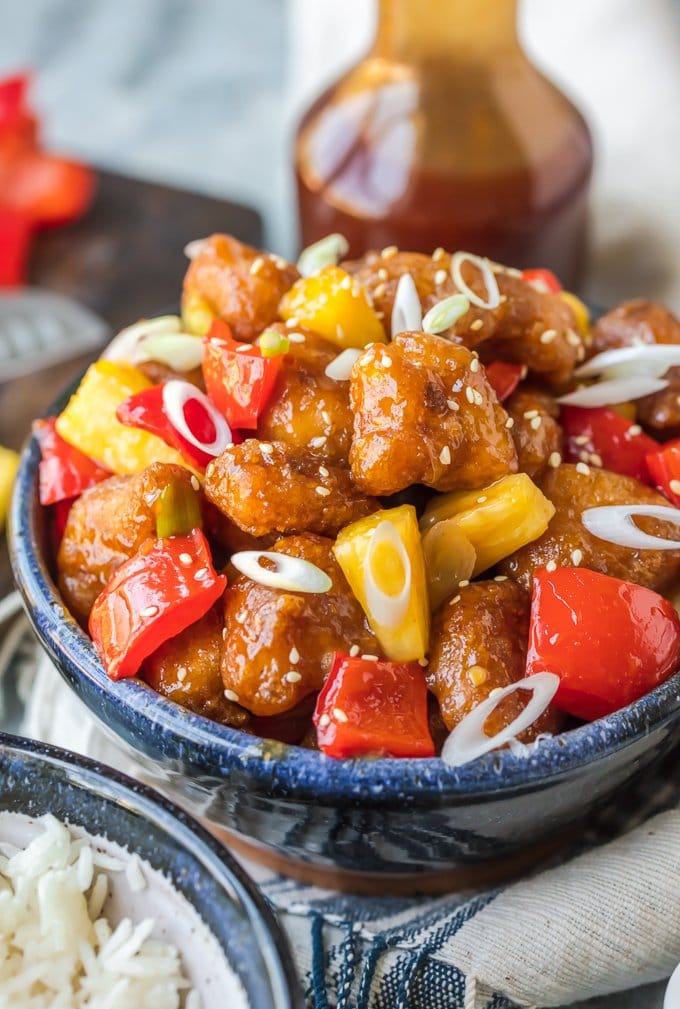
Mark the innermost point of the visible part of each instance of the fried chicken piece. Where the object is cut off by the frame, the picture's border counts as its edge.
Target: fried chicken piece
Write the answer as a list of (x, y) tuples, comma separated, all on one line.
[(266, 487), (536, 433), (308, 410), (479, 643), (186, 669), (424, 412), (279, 645), (238, 284), (567, 542), (106, 526)]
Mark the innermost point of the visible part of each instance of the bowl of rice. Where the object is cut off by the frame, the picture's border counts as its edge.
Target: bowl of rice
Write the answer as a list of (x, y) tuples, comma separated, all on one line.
[(112, 897)]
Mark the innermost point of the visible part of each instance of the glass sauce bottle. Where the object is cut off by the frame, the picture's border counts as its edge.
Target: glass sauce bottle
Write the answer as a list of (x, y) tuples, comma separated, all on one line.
[(446, 135)]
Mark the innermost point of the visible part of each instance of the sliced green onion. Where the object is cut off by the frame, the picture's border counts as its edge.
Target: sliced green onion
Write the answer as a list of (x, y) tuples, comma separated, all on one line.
[(125, 346), (290, 574), (273, 343), (492, 293), (180, 351), (407, 313), (443, 315), (340, 368), (326, 252), (178, 510)]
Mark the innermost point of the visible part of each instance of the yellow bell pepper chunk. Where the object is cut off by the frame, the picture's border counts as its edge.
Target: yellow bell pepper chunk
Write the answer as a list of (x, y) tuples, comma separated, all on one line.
[(197, 315), (498, 519), (89, 421), (382, 559), (336, 306), (9, 461), (450, 558), (581, 312)]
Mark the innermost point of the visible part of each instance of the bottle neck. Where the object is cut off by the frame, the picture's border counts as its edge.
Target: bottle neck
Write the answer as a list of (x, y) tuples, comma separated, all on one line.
[(413, 31)]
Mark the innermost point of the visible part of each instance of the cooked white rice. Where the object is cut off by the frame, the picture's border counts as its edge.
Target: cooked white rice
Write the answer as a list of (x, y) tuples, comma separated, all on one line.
[(57, 950)]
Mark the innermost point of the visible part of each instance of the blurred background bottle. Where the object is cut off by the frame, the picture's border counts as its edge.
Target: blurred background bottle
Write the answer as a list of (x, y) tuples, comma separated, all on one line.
[(445, 134)]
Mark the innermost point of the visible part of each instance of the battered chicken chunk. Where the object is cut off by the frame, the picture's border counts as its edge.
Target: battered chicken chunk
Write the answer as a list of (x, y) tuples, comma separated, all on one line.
[(535, 432), (308, 410), (567, 542), (660, 412), (279, 645), (105, 526), (479, 643), (424, 412), (186, 669), (529, 326), (266, 487), (239, 284)]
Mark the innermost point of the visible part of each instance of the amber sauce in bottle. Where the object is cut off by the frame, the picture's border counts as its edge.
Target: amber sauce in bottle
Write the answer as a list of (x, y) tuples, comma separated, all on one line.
[(446, 135)]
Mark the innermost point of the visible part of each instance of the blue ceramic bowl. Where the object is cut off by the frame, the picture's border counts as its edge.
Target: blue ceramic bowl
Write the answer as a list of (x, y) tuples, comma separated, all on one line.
[(37, 779), (359, 817)]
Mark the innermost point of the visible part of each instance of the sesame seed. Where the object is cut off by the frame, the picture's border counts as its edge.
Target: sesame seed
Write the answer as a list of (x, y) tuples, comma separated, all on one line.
[(474, 364), (186, 560), (548, 336), (266, 448), (478, 675), (555, 460), (551, 566), (340, 332), (293, 677), (297, 337), (322, 299), (573, 339), (324, 721), (422, 662), (501, 578), (292, 323), (256, 265), (368, 657), (482, 499), (354, 651), (595, 459), (224, 634), (581, 439), (452, 602), (201, 574), (294, 656), (580, 353), (509, 423), (346, 283), (194, 482), (675, 486), (181, 675), (210, 469), (386, 361), (370, 345), (389, 251), (576, 557), (383, 274), (241, 618), (478, 398), (279, 261), (583, 468), (149, 611), (325, 416), (323, 471), (536, 423), (322, 491), (529, 414), (469, 394), (231, 695), (379, 291), (340, 715), (476, 325), (677, 400), (380, 315), (465, 582), (438, 254), (445, 456), (503, 298), (318, 442), (440, 277), (635, 429), (243, 349), (452, 405)]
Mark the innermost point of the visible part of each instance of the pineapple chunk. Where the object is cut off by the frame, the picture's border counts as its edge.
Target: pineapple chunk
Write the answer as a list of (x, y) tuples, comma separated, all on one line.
[(382, 559), (89, 421), (336, 306), (498, 519), (449, 559), (197, 316), (9, 462), (581, 312)]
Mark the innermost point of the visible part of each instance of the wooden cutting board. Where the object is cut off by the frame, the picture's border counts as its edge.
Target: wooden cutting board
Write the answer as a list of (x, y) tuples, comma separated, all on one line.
[(124, 260)]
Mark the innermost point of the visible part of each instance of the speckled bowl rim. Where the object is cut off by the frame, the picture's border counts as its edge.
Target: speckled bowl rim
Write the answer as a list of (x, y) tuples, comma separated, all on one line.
[(103, 782), (283, 771)]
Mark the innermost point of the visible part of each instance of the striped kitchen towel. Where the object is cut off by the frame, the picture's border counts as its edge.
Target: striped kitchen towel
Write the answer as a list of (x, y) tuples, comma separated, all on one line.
[(605, 920)]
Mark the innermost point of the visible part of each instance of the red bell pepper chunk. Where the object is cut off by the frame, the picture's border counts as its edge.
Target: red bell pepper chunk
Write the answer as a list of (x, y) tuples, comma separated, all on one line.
[(61, 513), (238, 379), (542, 280), (621, 445), (504, 377), (15, 243), (168, 585), (609, 641), (369, 707), (64, 471), (664, 468)]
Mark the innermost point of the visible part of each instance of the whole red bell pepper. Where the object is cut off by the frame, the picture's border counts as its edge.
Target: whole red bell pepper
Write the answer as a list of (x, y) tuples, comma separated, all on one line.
[(64, 472), (609, 641), (504, 377), (373, 707), (168, 585), (238, 379), (16, 118), (617, 444), (542, 280), (663, 463)]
